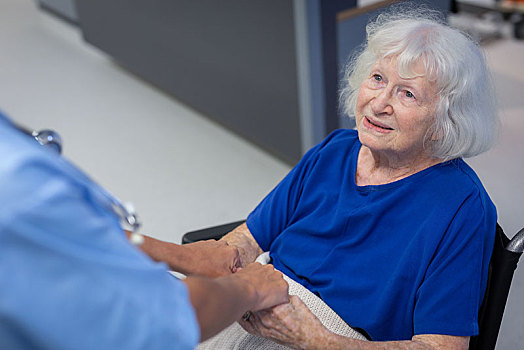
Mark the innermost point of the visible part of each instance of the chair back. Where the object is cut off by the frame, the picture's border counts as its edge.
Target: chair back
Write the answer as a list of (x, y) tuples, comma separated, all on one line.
[(501, 268), (215, 232)]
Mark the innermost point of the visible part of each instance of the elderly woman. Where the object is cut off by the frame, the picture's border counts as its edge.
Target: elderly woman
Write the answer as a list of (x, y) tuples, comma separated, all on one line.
[(386, 223)]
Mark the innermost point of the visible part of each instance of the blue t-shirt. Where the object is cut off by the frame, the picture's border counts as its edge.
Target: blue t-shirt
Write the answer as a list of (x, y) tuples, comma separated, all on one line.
[(399, 259), (69, 279)]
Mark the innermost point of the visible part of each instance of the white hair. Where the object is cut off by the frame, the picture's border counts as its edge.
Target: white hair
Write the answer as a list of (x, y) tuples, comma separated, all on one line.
[(466, 119)]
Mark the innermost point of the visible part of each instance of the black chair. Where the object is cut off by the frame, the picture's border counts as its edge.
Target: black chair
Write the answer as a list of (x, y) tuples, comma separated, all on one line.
[(504, 259), (215, 232)]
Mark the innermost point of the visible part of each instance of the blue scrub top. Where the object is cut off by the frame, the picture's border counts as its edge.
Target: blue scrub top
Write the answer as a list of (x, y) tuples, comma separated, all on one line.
[(69, 279)]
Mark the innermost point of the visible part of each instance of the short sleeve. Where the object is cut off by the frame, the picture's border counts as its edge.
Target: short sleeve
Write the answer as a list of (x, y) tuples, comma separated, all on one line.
[(69, 277), (272, 215), (449, 298)]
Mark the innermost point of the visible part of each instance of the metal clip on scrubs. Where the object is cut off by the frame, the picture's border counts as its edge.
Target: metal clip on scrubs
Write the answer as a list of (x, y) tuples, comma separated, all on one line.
[(124, 211)]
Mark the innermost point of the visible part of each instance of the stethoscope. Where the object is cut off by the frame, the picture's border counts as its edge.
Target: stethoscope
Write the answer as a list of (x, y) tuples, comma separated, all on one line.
[(125, 212)]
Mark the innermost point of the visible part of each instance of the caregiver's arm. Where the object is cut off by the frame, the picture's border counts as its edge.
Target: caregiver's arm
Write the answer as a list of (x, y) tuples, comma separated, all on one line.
[(206, 258), (248, 247), (221, 301), (294, 325)]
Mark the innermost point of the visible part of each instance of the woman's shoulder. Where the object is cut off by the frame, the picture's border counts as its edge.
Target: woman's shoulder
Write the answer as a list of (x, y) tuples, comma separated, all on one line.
[(343, 134), (459, 179), (344, 138), (463, 174), (339, 146)]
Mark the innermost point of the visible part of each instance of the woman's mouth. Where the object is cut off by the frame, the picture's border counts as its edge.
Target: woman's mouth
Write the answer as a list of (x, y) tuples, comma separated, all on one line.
[(374, 125)]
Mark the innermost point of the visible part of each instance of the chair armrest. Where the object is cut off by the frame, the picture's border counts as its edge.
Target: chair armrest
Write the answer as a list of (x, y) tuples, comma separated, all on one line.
[(516, 244), (214, 232)]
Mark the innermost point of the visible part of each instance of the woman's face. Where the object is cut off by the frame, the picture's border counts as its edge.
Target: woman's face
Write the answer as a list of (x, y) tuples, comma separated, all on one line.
[(393, 114)]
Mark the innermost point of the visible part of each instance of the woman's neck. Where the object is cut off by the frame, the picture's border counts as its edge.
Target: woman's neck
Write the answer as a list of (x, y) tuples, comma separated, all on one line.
[(375, 168)]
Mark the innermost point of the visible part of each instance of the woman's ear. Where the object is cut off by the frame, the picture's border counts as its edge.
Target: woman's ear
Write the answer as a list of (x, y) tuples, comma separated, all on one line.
[(436, 134)]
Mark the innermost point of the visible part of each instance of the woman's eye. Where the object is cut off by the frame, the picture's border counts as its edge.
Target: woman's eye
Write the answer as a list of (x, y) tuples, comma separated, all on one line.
[(377, 77), (409, 94)]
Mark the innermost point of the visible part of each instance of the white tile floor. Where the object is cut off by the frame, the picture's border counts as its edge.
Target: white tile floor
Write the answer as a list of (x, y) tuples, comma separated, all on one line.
[(181, 170)]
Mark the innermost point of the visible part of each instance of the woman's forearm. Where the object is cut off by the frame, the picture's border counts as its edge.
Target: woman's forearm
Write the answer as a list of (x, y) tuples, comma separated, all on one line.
[(295, 326), (420, 342), (246, 244)]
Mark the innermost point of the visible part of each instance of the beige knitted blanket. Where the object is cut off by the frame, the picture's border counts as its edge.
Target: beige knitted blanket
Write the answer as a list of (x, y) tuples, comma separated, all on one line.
[(235, 337)]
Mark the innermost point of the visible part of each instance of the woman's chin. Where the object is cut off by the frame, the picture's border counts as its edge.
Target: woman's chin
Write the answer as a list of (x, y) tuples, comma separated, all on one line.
[(373, 140)]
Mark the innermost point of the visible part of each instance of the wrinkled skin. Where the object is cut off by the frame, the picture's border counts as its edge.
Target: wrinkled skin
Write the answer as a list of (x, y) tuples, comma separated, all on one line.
[(210, 258), (291, 324)]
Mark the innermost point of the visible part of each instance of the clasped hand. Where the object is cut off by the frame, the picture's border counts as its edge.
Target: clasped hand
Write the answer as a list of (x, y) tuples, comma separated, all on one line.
[(291, 324), (211, 258)]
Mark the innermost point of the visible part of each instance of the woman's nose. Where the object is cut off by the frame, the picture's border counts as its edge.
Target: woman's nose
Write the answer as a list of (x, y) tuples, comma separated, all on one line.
[(381, 104)]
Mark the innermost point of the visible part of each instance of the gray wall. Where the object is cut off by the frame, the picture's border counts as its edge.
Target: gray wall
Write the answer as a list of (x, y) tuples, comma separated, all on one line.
[(233, 60), (236, 61), (64, 8)]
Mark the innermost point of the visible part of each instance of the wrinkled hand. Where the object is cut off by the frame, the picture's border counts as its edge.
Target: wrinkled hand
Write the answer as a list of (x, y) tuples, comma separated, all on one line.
[(211, 258), (269, 286), (291, 324)]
